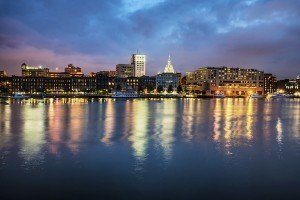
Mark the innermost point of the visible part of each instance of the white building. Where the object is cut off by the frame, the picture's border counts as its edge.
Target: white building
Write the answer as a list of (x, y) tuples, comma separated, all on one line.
[(168, 78), (139, 63)]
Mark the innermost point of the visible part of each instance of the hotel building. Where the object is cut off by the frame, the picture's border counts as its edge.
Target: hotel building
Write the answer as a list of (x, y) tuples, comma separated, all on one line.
[(230, 81)]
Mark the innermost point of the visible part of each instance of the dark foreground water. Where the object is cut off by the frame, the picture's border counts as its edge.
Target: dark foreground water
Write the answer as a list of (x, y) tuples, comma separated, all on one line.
[(151, 149)]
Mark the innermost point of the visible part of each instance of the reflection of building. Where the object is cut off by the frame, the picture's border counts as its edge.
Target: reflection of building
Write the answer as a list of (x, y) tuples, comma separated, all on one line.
[(31, 71), (230, 81), (269, 83), (138, 61), (124, 70), (169, 78)]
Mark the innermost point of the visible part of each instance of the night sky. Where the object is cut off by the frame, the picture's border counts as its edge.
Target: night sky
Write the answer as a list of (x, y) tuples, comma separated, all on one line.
[(98, 34)]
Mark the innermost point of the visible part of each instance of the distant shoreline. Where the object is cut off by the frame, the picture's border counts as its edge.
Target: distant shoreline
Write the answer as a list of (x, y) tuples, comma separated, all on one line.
[(89, 96)]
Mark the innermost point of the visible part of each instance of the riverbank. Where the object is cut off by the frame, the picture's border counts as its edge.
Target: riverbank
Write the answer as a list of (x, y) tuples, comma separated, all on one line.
[(38, 96)]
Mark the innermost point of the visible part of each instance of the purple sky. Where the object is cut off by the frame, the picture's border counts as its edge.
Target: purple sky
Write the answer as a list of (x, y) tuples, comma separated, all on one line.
[(97, 35)]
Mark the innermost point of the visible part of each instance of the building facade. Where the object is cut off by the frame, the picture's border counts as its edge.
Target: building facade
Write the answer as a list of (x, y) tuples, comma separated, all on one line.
[(138, 61), (169, 78), (32, 71), (230, 81), (74, 71), (269, 83), (108, 73), (289, 86), (53, 85), (147, 82), (124, 70)]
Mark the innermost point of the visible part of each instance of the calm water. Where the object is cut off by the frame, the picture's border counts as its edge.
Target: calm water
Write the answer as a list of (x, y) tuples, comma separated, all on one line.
[(151, 149)]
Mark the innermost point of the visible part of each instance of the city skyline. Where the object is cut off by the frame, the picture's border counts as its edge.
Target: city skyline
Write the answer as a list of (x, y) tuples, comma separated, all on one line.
[(98, 35)]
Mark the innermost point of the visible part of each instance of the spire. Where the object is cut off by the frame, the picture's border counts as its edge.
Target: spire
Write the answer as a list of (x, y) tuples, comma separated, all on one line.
[(169, 67)]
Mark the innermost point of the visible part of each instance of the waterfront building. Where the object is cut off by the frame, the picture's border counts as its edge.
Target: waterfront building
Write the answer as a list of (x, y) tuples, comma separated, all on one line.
[(104, 82), (33, 71), (147, 82), (74, 71), (169, 78), (230, 81), (132, 83), (53, 84), (138, 61), (28, 84), (289, 86), (5, 84), (83, 84), (269, 83), (124, 70), (56, 85)]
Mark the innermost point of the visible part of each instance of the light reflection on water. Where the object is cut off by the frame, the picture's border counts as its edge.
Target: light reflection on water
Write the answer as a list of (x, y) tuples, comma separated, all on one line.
[(147, 134), (139, 136), (109, 123), (33, 132), (232, 122), (165, 123)]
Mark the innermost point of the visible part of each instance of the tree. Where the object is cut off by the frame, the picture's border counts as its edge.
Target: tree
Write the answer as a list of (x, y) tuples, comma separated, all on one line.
[(160, 88), (4, 89), (150, 88), (179, 89), (170, 88), (140, 89)]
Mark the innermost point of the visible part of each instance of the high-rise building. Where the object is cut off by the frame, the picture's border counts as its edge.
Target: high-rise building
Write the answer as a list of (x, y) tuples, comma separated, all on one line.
[(124, 70), (269, 83), (230, 81), (32, 71), (138, 61)]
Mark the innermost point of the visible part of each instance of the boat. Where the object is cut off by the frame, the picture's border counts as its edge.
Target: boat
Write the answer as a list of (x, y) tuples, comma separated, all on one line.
[(277, 95), (19, 96), (256, 96), (125, 94), (219, 95)]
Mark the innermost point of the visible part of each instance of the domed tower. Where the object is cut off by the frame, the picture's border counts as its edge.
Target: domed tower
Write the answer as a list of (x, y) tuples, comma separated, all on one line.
[(169, 67)]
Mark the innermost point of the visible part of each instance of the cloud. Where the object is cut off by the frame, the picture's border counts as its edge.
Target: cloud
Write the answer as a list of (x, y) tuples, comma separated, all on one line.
[(262, 34)]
